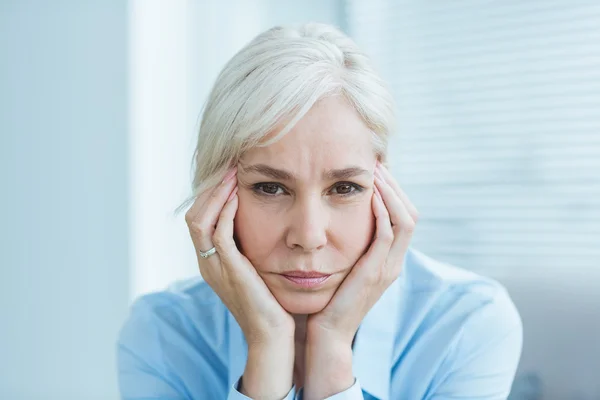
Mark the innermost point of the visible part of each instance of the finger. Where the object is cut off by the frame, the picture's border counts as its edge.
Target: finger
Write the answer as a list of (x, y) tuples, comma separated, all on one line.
[(203, 197), (382, 217), (223, 236), (205, 242), (369, 269), (198, 204), (232, 260), (399, 214), (389, 178), (203, 223), (384, 235), (405, 226)]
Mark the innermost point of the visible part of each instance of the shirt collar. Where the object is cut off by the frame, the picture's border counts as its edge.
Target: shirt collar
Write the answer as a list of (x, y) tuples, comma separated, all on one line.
[(373, 351)]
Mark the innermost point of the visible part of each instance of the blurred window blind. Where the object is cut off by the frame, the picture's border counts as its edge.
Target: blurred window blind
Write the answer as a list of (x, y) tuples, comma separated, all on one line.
[(498, 139)]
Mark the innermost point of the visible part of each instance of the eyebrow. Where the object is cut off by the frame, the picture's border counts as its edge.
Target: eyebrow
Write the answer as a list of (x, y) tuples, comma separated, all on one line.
[(280, 174)]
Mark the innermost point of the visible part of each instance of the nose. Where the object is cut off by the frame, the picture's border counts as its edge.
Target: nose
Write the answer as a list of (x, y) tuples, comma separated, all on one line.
[(308, 228)]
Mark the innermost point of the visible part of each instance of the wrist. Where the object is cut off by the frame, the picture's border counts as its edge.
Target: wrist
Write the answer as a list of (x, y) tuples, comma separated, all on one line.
[(284, 346), (269, 370), (329, 366), (265, 335), (335, 353), (320, 335)]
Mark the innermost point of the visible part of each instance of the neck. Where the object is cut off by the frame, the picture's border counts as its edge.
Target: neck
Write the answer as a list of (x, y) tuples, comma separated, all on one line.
[(300, 340), (300, 333)]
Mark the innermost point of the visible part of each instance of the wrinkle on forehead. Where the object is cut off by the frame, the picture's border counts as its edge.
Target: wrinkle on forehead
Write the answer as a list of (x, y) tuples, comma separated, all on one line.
[(330, 136)]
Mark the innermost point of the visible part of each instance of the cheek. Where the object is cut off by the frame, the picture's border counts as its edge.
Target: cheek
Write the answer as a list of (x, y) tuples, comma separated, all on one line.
[(355, 226), (255, 231)]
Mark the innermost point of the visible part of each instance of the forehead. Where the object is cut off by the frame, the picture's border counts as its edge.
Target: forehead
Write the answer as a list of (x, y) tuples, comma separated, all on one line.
[(330, 136)]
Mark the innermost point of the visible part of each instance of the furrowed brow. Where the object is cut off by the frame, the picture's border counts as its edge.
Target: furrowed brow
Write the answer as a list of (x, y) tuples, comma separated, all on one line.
[(271, 172), (345, 173), (280, 174)]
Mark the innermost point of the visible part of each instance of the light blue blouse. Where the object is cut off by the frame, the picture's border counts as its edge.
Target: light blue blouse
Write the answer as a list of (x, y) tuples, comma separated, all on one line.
[(438, 332)]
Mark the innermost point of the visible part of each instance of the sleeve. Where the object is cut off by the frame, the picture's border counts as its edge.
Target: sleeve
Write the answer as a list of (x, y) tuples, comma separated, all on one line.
[(484, 357), (354, 392), (234, 393)]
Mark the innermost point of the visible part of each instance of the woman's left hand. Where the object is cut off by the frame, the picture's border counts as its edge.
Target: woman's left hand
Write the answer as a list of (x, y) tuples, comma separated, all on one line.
[(331, 331)]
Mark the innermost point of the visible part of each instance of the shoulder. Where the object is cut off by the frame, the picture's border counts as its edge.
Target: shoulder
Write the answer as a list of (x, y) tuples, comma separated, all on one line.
[(182, 305), (188, 317), (180, 297), (453, 322), (438, 286), (444, 306)]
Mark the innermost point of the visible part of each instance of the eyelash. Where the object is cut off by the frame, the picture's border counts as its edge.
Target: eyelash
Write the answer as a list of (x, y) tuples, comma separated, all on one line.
[(256, 188)]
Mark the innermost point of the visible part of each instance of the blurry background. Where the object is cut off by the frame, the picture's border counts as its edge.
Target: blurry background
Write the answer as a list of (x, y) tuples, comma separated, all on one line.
[(498, 146)]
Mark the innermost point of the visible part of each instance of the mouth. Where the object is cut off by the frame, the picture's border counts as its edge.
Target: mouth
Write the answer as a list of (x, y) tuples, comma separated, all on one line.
[(306, 279)]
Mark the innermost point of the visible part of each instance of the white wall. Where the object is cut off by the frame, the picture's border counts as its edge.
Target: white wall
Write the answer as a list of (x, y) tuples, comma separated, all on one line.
[(64, 276)]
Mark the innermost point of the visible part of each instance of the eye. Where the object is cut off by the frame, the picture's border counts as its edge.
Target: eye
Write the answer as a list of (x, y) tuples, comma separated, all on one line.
[(348, 189), (267, 189), (270, 189)]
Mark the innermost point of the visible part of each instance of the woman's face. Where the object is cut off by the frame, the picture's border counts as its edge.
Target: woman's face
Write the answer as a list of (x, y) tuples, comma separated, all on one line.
[(305, 204)]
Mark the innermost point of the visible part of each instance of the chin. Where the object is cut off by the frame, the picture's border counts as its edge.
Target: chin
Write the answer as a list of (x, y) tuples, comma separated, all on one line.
[(303, 302)]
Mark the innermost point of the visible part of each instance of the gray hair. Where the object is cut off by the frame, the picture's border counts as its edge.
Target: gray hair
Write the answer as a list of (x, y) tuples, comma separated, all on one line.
[(273, 82)]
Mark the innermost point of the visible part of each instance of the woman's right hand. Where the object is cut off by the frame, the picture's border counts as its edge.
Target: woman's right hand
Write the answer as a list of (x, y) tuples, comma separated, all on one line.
[(268, 328)]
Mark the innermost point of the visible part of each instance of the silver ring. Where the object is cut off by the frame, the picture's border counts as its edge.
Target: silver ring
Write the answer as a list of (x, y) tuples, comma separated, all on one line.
[(208, 253)]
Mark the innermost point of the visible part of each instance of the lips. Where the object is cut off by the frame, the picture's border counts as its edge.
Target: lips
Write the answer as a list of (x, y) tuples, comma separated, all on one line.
[(305, 274), (305, 279)]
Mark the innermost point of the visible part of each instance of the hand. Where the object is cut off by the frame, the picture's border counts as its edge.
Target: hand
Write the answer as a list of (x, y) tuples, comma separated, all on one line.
[(230, 273), (268, 328), (331, 331)]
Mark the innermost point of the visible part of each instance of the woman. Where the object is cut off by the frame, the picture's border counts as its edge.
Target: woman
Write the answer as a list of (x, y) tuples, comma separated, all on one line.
[(310, 287)]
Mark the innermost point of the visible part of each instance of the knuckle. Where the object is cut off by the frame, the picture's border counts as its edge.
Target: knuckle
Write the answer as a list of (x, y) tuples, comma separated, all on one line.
[(199, 228), (373, 278), (415, 216), (219, 241), (409, 227), (190, 217), (387, 237), (215, 193)]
